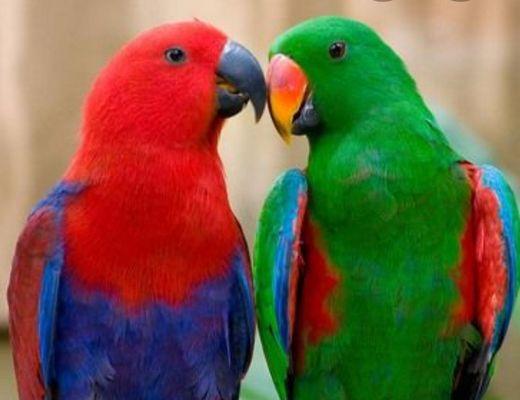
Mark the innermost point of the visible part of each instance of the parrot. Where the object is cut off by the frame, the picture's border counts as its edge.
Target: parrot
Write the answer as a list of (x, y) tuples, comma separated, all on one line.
[(131, 278), (388, 268)]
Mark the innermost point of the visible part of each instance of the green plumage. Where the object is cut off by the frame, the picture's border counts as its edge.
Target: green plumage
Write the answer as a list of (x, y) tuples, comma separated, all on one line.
[(391, 203)]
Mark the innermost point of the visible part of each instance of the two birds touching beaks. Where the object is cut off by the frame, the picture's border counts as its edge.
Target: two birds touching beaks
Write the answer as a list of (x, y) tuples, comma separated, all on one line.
[(388, 269)]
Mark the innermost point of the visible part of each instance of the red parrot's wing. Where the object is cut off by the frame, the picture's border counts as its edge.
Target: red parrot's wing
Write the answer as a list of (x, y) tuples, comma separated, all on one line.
[(33, 252), (33, 292)]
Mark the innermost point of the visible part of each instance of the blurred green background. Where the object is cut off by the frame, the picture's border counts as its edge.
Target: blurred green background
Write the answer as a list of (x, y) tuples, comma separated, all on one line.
[(464, 54)]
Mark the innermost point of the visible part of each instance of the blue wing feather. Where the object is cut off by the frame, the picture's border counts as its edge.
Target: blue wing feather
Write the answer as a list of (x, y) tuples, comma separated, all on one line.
[(295, 187), (51, 279), (33, 292), (277, 269), (241, 317)]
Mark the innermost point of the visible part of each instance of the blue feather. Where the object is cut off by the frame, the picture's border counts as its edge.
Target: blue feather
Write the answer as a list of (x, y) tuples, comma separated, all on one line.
[(294, 186), (55, 200), (196, 350)]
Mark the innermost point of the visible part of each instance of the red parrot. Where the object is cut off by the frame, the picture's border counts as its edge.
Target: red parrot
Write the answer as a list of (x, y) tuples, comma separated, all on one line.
[(131, 279)]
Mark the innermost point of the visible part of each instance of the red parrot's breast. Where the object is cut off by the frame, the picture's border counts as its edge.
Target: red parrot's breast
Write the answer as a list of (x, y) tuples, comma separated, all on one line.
[(150, 225)]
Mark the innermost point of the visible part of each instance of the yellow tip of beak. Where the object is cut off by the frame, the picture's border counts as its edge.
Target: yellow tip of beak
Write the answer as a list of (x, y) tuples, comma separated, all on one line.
[(287, 87), (283, 131), (287, 138)]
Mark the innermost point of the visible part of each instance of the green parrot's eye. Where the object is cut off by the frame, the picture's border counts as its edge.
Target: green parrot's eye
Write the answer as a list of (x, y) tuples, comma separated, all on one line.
[(175, 55), (338, 50)]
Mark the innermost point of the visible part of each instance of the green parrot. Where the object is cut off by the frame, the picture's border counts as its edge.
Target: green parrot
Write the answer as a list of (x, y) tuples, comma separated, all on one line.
[(388, 268)]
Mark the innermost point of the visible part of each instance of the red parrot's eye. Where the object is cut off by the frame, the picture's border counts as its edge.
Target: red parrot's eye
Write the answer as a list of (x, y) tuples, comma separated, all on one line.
[(337, 50), (175, 55)]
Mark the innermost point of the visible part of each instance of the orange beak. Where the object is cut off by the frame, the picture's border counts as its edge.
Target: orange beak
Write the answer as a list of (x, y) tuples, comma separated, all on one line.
[(287, 88)]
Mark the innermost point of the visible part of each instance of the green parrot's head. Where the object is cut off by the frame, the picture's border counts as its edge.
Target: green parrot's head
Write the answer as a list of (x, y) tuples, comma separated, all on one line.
[(327, 73)]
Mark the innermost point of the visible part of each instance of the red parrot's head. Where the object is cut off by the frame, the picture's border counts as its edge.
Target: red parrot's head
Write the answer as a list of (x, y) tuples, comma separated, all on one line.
[(172, 86)]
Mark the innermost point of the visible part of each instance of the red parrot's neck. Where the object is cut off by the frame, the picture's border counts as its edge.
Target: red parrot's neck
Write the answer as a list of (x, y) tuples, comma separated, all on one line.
[(151, 223)]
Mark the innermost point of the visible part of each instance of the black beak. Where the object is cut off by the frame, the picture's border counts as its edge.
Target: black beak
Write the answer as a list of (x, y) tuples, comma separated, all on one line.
[(240, 79), (306, 119)]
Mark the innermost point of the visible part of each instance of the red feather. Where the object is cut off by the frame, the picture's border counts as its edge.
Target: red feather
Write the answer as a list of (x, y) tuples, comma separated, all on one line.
[(33, 250), (465, 278), (315, 319), (483, 280)]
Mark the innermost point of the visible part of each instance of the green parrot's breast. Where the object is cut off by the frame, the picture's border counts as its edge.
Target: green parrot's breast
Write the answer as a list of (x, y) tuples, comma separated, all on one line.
[(390, 224)]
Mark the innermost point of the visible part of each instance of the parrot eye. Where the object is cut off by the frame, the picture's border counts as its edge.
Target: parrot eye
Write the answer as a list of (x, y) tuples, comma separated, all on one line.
[(175, 55), (337, 50)]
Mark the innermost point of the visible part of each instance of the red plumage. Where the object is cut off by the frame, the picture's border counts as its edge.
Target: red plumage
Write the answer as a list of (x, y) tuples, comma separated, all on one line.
[(464, 311), (315, 319), (156, 194), (483, 280), (34, 247)]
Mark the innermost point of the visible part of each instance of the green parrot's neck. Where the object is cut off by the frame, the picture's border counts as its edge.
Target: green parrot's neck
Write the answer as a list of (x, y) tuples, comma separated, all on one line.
[(393, 111)]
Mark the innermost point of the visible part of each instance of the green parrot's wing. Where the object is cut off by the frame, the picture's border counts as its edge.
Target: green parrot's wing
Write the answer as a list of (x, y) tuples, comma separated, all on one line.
[(277, 264), (495, 275)]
